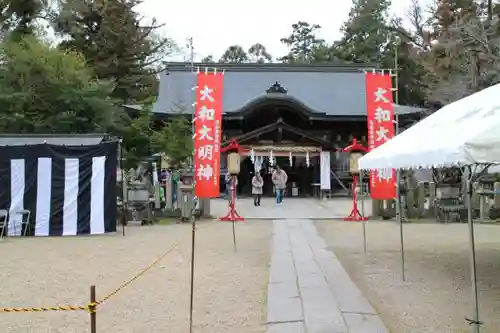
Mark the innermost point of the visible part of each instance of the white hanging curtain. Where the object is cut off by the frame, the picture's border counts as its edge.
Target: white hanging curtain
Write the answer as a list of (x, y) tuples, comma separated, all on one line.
[(155, 174), (325, 170), (258, 164), (271, 158)]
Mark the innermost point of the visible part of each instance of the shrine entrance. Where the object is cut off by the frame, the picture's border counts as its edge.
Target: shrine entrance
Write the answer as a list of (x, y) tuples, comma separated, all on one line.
[(278, 132), (302, 174)]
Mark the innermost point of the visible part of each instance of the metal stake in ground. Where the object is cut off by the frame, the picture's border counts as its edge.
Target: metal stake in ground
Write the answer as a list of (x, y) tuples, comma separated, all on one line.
[(233, 199), (123, 194), (191, 297), (92, 310)]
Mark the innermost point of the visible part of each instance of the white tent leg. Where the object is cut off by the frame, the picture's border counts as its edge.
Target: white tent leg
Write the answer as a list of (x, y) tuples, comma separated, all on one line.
[(363, 193), (400, 221), (474, 322)]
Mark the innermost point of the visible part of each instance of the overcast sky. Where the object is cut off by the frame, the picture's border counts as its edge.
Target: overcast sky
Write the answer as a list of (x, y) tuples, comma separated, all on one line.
[(216, 24)]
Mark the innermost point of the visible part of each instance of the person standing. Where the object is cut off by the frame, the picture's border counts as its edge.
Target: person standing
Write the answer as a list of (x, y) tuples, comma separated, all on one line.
[(176, 176), (279, 180), (162, 194), (257, 185)]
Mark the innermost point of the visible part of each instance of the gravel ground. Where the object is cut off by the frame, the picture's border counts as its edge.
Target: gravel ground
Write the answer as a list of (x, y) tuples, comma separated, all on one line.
[(437, 294), (230, 292)]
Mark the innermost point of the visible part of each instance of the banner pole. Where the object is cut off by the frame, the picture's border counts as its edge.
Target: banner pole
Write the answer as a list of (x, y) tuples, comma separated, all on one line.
[(398, 190)]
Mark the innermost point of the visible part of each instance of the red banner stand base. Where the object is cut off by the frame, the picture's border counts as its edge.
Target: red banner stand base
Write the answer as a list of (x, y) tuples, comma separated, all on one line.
[(233, 215), (355, 214)]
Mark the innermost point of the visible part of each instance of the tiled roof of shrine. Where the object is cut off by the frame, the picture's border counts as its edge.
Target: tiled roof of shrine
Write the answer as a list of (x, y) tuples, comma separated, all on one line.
[(325, 90)]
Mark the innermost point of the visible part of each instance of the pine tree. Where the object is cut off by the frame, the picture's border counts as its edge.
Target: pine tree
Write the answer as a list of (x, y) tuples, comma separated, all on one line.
[(45, 90), (258, 54), (175, 139), (234, 54), (367, 37), (208, 59), (19, 16), (116, 44), (302, 43)]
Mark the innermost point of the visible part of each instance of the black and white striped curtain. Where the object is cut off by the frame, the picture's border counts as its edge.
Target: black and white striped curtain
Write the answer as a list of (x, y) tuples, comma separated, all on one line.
[(69, 190)]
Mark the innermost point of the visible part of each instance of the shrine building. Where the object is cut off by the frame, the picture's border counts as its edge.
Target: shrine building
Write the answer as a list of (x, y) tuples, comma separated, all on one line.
[(286, 114)]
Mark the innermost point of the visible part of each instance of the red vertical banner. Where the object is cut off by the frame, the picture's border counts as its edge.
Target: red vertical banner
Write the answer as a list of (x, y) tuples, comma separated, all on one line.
[(207, 134), (380, 119)]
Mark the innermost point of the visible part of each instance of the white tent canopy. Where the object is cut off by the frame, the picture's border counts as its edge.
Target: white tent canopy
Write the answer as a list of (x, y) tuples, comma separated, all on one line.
[(462, 133)]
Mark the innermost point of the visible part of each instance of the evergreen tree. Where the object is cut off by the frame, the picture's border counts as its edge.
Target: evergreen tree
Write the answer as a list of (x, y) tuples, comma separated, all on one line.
[(258, 54), (208, 59), (137, 138), (44, 90), (367, 37), (19, 16), (116, 44), (302, 43), (175, 139), (234, 54)]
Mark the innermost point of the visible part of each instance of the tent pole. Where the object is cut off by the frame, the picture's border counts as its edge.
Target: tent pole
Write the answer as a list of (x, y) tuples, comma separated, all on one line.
[(123, 193), (399, 220), (474, 322), (362, 192)]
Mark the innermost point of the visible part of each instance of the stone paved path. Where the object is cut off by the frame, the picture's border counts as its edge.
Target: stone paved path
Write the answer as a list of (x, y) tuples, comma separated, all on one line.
[(290, 208), (309, 291)]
